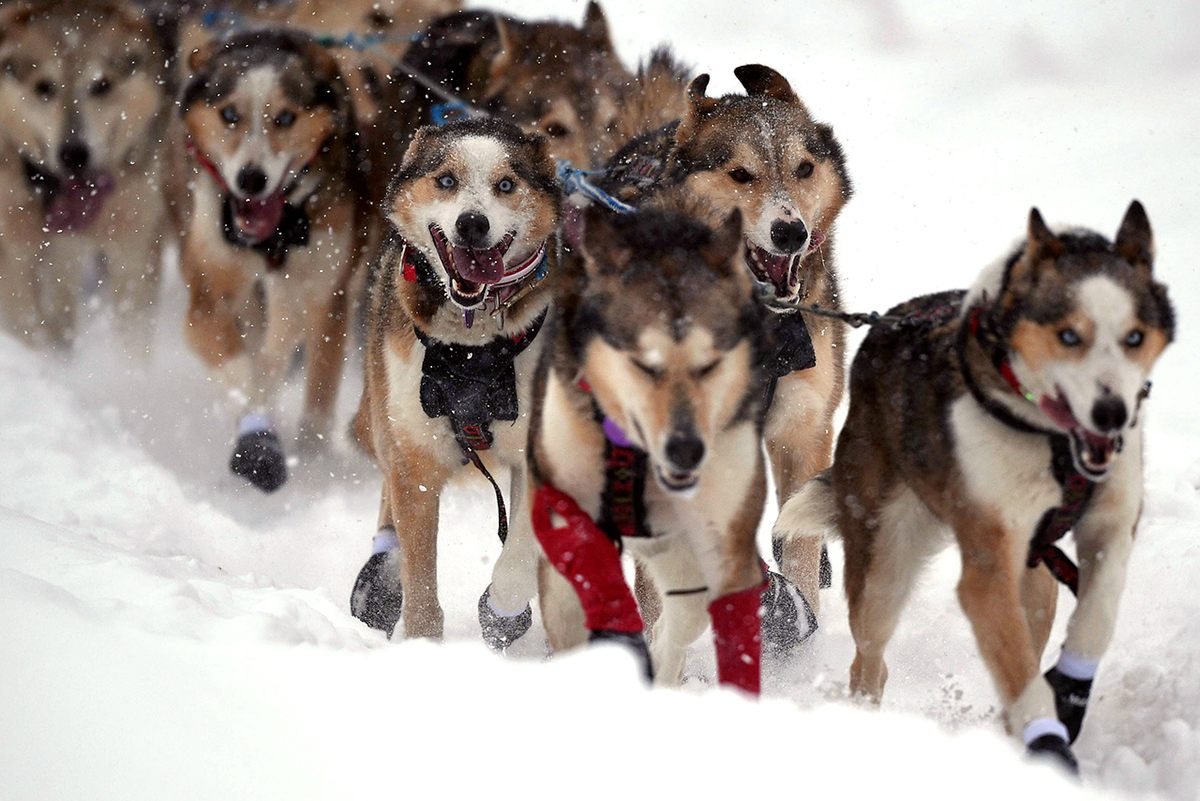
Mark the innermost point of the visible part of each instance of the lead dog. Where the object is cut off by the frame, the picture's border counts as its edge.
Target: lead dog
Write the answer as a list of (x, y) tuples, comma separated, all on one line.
[(276, 232), (84, 91), (1001, 417), (461, 289)]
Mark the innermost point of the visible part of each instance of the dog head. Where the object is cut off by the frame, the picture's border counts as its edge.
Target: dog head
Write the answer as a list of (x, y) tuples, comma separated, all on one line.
[(1084, 322), (665, 334), (478, 199), (559, 81), (763, 153), (262, 107), (80, 90)]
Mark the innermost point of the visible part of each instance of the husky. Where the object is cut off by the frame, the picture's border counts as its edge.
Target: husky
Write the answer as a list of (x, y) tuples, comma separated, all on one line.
[(276, 230), (649, 421), (85, 95), (764, 154), (998, 419), (460, 292)]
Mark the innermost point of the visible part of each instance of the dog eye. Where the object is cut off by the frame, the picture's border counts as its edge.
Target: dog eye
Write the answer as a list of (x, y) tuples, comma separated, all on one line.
[(285, 119), (556, 130), (1069, 337), (230, 115), (447, 181), (506, 185), (44, 89), (1135, 338), (741, 175), (101, 87), (379, 19), (652, 372), (804, 170), (706, 370)]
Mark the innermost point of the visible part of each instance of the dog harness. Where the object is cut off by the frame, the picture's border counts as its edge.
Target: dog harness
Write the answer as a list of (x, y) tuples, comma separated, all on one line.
[(294, 226)]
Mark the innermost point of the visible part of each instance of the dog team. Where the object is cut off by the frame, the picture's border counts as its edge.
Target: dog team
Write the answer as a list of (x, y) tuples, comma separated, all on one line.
[(618, 288)]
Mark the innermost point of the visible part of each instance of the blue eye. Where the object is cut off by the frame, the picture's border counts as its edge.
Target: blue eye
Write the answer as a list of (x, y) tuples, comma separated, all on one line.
[(506, 185), (1135, 338), (1069, 337), (229, 114), (285, 119), (447, 181)]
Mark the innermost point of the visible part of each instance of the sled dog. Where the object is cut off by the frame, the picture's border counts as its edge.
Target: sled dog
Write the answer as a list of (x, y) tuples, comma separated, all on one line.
[(998, 419), (460, 293)]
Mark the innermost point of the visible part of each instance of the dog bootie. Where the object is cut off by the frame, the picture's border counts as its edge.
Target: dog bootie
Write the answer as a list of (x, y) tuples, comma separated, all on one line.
[(377, 598), (1053, 748), (787, 618), (258, 458), (737, 634), (1070, 700), (634, 641), (825, 573), (499, 631)]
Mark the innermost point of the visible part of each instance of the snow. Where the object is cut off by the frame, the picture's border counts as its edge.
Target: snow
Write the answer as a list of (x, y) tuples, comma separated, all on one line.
[(166, 632)]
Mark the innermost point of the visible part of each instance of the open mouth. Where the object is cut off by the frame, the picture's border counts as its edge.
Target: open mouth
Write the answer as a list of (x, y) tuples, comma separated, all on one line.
[(675, 481), (257, 220), (1092, 453), (779, 273), (73, 202), (472, 271)]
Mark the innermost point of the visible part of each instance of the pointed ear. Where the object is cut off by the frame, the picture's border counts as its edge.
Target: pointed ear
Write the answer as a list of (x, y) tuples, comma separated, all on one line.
[(697, 106), (1135, 240), (505, 49), (202, 54), (759, 80), (696, 89), (416, 145), (604, 250), (1040, 238), (595, 27), (725, 244)]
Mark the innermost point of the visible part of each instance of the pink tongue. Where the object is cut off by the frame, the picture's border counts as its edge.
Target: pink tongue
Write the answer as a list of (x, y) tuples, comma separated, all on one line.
[(776, 266), (479, 266), (78, 202), (1058, 411), (258, 219)]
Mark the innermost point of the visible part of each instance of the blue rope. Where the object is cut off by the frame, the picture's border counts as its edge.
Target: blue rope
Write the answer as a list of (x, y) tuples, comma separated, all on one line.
[(575, 182), (451, 111)]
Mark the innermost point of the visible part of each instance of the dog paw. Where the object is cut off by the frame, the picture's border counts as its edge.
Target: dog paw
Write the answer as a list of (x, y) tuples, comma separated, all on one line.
[(787, 618), (1070, 700), (633, 640), (499, 631), (377, 597), (258, 457), (1055, 750)]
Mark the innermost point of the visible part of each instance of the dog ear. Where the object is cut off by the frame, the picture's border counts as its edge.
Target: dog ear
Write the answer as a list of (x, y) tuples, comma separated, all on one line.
[(595, 27), (698, 105), (202, 53), (1135, 240), (1041, 239), (725, 243), (604, 249), (505, 52), (760, 80), (415, 146)]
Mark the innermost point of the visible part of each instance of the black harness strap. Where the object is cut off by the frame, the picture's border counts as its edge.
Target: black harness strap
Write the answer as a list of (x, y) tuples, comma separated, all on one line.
[(622, 504), (473, 385)]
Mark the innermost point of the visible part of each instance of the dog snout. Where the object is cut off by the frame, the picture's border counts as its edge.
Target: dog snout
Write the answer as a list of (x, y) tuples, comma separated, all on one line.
[(684, 451), (75, 156), (251, 180), (789, 236), (473, 228), (1109, 414)]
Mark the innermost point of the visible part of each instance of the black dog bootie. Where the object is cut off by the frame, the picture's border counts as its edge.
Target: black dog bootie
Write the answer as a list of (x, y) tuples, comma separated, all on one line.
[(499, 632), (787, 619), (258, 458), (377, 598)]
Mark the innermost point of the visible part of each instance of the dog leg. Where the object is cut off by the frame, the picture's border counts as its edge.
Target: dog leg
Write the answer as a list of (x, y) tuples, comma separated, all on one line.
[(504, 611), (683, 603), (1039, 597), (19, 304), (216, 293), (326, 345), (413, 496), (133, 272), (796, 456), (647, 595), (562, 614)]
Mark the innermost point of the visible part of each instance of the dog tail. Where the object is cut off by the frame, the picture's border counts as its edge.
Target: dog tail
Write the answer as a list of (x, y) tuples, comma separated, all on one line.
[(811, 512)]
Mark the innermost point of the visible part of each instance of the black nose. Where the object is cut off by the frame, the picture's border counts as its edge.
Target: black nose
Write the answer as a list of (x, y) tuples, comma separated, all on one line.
[(473, 228), (685, 451), (1109, 413), (75, 156), (251, 179), (788, 237)]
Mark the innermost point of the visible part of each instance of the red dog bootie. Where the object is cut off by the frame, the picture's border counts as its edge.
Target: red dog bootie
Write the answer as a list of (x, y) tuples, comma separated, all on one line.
[(588, 559), (737, 633)]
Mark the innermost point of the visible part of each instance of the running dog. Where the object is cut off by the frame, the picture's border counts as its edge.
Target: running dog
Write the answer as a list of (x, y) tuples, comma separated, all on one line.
[(85, 95), (276, 232), (1000, 418), (459, 294), (764, 154), (649, 422)]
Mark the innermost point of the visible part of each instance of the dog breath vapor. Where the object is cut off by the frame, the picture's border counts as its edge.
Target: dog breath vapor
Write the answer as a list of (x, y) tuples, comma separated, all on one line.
[(167, 631)]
